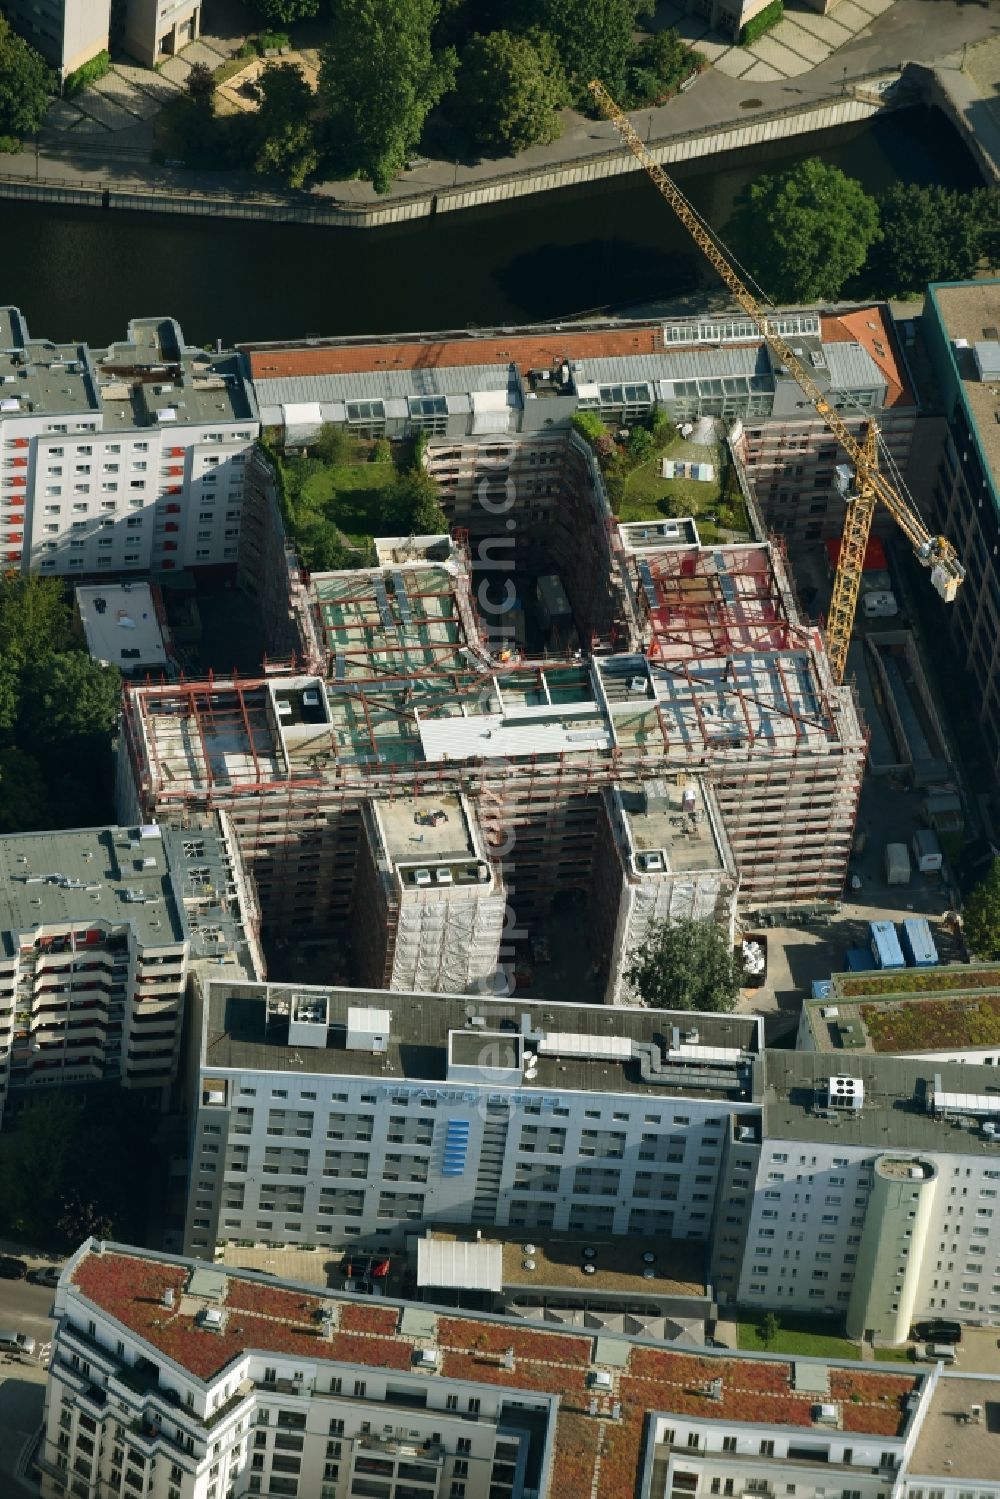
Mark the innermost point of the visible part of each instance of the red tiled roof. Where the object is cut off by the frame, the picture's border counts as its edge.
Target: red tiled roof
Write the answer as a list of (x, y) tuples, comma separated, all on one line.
[(589, 1452), (880, 343), (531, 351)]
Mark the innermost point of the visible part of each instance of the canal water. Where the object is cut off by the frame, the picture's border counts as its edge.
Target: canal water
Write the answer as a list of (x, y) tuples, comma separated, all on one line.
[(81, 274)]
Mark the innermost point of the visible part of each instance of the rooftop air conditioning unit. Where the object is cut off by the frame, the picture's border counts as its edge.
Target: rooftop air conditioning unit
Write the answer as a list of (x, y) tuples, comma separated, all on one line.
[(421, 877), (444, 876), (651, 863)]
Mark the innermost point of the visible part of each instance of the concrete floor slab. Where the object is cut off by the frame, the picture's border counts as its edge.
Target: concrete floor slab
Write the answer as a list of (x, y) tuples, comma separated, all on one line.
[(146, 81), (789, 34), (762, 72), (109, 114), (176, 69), (714, 49), (87, 126), (316, 1267), (827, 28), (62, 116), (121, 92), (852, 16), (790, 64), (875, 7), (199, 51), (735, 63)]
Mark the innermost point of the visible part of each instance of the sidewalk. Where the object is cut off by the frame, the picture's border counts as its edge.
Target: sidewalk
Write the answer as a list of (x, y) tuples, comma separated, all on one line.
[(971, 79), (910, 30)]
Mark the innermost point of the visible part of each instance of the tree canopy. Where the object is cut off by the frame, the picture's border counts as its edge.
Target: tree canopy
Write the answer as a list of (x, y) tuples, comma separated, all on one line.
[(286, 140), (981, 916), (379, 79), (594, 38), (686, 965), (930, 234), (57, 712), (286, 11), (805, 232), (510, 90), (27, 84)]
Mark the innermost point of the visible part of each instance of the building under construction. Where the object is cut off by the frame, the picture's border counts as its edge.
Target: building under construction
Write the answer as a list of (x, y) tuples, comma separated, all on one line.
[(422, 774)]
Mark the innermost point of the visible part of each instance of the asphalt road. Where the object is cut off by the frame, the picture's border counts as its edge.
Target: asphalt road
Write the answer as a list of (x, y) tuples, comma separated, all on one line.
[(23, 1308)]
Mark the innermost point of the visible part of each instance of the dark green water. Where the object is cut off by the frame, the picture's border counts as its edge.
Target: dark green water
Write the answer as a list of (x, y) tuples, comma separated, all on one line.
[(78, 273)]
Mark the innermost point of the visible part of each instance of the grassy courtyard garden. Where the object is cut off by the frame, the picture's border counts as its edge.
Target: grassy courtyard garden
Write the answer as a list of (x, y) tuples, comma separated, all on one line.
[(805, 1337), (637, 490), (341, 492)]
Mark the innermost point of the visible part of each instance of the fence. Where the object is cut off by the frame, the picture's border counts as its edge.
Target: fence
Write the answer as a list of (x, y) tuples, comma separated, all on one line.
[(866, 97)]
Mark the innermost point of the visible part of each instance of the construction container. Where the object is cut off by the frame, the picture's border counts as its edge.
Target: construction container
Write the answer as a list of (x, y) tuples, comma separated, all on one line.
[(885, 948), (897, 864), (917, 943), (927, 853)]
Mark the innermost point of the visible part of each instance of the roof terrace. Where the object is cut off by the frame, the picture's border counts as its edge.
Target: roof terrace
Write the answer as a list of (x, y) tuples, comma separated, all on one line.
[(593, 1443)]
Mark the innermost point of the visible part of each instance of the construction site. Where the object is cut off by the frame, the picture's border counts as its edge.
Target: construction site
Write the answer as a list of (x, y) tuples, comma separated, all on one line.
[(416, 789)]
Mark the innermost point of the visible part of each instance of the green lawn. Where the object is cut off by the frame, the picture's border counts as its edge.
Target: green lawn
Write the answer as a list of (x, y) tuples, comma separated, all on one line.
[(894, 1355), (810, 1337), (350, 495), (648, 496)]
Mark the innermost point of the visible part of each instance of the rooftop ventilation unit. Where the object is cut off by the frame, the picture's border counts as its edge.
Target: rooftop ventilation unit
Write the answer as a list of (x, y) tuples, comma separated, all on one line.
[(651, 863), (847, 1093)]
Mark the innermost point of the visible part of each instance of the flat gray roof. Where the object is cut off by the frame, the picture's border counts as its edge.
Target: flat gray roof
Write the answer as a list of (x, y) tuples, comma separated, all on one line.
[(894, 1115), (83, 877), (386, 384), (238, 1037), (948, 1447), (972, 311), (122, 626)]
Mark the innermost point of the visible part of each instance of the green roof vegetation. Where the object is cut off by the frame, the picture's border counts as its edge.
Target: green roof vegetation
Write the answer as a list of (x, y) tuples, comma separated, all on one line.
[(934, 1024), (953, 977)]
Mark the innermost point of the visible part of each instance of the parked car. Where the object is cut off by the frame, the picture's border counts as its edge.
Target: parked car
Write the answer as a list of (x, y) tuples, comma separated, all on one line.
[(45, 1275), (935, 1353), (938, 1330), (12, 1268), (13, 1344)]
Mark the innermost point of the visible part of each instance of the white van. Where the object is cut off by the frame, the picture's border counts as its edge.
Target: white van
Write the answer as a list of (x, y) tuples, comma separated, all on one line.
[(936, 1353)]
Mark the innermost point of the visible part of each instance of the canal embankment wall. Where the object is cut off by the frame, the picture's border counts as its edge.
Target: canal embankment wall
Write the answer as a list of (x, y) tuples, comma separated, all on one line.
[(54, 181)]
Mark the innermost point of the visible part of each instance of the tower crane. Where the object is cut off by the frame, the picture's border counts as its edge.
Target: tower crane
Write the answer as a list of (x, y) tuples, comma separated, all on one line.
[(870, 484)]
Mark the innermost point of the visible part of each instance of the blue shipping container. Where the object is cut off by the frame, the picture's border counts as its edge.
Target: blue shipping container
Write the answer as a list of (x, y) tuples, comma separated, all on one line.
[(885, 945), (918, 944)]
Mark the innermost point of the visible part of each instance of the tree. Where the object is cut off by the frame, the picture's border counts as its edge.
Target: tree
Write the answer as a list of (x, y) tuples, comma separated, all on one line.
[(22, 792), (510, 91), (26, 84), (981, 917), (805, 232), (331, 445), (770, 1326), (284, 12), (657, 67), (929, 234), (200, 84), (70, 696), (379, 79), (594, 38), (35, 619), (286, 133), (412, 507), (686, 965)]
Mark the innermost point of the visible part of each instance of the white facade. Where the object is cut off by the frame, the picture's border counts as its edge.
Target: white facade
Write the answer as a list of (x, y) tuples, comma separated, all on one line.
[(100, 929), (131, 462), (539, 1136)]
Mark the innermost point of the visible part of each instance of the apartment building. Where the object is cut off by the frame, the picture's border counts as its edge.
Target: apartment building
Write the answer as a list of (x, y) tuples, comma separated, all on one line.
[(876, 1193), (960, 322), (127, 460), (68, 33), (333, 1116), (100, 929), (503, 402), (183, 1381)]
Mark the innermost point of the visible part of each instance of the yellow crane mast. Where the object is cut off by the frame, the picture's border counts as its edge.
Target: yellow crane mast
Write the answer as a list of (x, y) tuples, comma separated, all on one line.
[(871, 486)]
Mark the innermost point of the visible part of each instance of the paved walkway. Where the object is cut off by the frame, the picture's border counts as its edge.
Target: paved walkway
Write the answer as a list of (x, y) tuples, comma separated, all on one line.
[(971, 79), (795, 46), (111, 140)]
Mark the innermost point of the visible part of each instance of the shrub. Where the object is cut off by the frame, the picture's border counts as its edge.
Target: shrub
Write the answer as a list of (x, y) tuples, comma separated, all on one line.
[(641, 444), (761, 22), (589, 425), (91, 71), (273, 41), (381, 451)]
